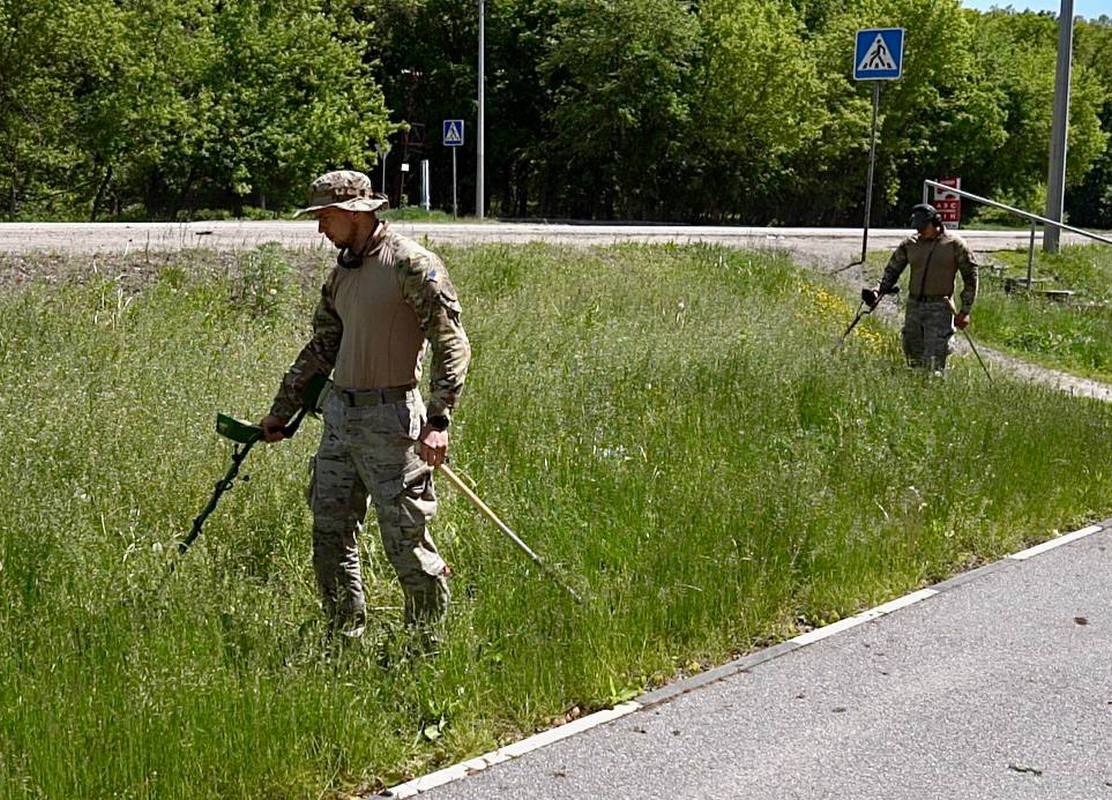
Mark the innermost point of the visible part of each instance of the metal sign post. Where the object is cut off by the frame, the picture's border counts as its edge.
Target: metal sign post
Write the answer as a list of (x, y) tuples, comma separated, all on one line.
[(480, 154), (383, 151), (878, 56), (872, 169), (453, 138), (426, 188), (1056, 178)]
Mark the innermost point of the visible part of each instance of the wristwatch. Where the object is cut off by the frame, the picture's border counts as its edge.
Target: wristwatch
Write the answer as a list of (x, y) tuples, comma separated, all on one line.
[(439, 422)]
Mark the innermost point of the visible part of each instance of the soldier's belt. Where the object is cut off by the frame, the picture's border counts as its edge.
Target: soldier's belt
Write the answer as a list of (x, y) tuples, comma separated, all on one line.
[(931, 298), (374, 397)]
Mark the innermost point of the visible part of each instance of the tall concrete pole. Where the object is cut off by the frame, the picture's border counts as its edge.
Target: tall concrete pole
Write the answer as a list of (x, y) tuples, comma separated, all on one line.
[(480, 189), (1056, 180)]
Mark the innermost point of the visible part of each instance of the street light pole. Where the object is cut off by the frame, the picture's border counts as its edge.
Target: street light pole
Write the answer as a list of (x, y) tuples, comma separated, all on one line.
[(1056, 180), (480, 189)]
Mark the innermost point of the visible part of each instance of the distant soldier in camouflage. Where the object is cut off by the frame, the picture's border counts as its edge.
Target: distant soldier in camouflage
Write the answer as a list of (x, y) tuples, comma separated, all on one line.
[(386, 301), (936, 257)]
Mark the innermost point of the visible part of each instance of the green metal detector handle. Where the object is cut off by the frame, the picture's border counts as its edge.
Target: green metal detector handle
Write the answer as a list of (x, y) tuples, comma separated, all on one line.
[(245, 434), (242, 432)]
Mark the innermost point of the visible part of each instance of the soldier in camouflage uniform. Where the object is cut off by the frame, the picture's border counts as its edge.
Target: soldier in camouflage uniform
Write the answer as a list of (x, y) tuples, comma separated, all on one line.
[(936, 257), (387, 301)]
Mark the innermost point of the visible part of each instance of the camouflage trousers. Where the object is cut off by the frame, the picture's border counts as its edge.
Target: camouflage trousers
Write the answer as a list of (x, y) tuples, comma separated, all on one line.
[(928, 326), (368, 452)]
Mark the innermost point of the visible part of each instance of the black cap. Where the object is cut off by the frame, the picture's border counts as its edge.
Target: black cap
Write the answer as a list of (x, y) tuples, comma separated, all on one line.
[(924, 214)]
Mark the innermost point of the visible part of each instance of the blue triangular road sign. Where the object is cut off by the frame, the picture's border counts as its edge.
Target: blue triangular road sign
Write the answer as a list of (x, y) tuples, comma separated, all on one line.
[(878, 54), (453, 132)]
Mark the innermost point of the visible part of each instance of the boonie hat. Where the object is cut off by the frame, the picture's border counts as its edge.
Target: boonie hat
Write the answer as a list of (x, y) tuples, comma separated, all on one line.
[(345, 189)]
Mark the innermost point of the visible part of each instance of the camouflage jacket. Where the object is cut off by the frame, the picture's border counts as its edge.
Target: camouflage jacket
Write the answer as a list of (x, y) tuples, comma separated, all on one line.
[(424, 284), (935, 264)]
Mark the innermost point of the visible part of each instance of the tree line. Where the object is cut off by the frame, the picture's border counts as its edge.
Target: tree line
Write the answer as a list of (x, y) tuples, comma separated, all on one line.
[(687, 110)]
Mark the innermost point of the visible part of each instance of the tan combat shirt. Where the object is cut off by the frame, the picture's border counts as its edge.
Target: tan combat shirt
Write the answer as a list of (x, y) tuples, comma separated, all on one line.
[(372, 324), (934, 265)]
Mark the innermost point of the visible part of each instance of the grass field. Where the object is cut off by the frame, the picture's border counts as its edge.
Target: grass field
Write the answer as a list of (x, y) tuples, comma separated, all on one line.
[(665, 424), (1075, 336)]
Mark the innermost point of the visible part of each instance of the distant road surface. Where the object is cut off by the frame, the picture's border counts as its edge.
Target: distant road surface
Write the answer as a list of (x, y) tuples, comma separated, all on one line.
[(836, 243)]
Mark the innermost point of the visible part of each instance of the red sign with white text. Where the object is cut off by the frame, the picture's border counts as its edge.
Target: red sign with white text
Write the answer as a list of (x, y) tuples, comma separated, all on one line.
[(948, 203)]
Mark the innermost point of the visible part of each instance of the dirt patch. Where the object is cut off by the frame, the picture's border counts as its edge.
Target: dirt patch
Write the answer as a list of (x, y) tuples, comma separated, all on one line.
[(135, 271)]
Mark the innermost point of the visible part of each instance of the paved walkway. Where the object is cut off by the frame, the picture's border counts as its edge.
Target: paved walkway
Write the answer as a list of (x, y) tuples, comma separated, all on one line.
[(998, 685)]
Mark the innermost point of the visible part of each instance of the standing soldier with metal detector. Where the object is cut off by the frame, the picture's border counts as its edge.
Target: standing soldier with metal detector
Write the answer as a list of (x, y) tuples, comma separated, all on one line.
[(936, 257), (387, 299)]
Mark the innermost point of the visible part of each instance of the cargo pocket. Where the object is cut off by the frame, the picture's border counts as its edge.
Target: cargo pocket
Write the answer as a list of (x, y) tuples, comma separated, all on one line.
[(409, 500), (450, 299), (432, 563), (410, 413)]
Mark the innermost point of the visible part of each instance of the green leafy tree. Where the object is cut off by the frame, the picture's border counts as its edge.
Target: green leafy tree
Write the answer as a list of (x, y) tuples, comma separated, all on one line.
[(38, 45), (937, 119), (1020, 53), (619, 72), (752, 111), (286, 95), (1089, 203)]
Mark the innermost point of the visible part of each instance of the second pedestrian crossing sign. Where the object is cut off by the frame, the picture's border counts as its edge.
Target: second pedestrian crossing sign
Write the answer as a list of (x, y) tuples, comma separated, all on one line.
[(453, 133), (878, 55)]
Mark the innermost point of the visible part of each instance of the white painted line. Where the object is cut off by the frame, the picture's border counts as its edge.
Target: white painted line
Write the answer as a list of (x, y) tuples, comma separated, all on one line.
[(905, 601), (833, 628), (553, 735), (1056, 542), (435, 779), (454, 773), (810, 637), (427, 782)]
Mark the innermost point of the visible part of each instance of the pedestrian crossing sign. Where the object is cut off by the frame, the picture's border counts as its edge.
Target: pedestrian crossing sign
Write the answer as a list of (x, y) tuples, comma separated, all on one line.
[(453, 133), (878, 55)]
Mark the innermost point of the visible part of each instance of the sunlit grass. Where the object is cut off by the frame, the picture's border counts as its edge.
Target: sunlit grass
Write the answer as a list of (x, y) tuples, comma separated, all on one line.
[(666, 425), (1074, 335)]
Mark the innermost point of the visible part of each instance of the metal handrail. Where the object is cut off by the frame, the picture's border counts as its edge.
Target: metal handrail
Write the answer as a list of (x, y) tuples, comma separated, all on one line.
[(1016, 211)]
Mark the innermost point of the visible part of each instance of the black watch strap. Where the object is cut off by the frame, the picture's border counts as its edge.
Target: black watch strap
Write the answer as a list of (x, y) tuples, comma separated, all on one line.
[(439, 422)]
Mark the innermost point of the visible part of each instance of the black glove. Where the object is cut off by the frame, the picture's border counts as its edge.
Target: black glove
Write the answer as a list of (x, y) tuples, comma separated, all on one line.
[(870, 297)]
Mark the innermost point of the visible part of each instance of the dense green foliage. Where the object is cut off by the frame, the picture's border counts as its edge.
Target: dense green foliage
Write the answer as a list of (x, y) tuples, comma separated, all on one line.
[(666, 424), (734, 110), (146, 106)]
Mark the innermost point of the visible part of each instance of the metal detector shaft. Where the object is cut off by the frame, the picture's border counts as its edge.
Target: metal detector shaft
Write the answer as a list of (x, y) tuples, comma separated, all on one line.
[(222, 485), (482, 507), (968, 338), (246, 436), (861, 312)]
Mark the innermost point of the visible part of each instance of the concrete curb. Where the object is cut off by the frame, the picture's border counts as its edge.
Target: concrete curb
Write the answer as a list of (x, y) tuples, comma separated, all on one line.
[(681, 687)]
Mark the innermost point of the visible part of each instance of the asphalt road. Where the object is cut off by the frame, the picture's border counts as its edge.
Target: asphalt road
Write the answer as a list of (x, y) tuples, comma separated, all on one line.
[(18, 237), (1000, 687)]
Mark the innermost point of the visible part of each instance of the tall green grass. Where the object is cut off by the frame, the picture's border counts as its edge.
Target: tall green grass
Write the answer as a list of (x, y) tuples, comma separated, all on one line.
[(666, 425), (1076, 336)]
